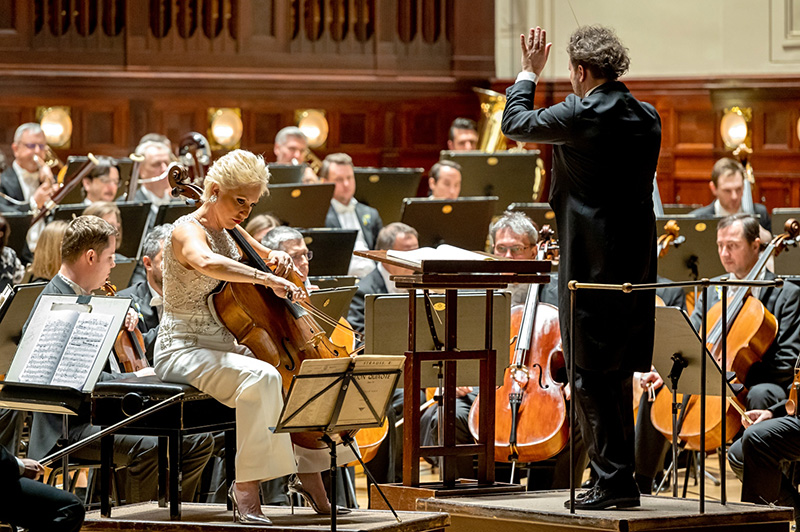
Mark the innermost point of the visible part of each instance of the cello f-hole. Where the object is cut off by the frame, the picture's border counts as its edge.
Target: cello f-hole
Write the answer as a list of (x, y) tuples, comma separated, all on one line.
[(288, 354), (541, 384)]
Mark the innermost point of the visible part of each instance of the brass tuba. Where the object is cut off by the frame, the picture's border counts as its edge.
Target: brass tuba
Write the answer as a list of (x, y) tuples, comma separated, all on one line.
[(492, 104)]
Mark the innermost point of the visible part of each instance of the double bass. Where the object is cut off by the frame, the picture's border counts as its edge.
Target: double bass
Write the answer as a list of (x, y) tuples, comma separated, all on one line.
[(530, 409), (750, 330), (277, 330)]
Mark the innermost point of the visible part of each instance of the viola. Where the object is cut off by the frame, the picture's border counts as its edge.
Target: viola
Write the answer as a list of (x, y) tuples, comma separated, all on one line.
[(277, 330), (750, 330), (530, 409), (129, 345)]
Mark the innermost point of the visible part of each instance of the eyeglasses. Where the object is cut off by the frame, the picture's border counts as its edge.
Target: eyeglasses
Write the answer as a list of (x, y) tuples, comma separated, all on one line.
[(308, 256), (105, 179), (33, 146), (515, 250)]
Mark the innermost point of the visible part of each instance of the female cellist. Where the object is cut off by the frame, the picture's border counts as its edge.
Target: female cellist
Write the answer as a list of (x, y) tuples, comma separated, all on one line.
[(193, 348)]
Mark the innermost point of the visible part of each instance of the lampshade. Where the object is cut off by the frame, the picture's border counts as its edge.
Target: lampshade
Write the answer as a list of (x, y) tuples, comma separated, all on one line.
[(314, 125), (734, 127), (225, 128), (56, 124)]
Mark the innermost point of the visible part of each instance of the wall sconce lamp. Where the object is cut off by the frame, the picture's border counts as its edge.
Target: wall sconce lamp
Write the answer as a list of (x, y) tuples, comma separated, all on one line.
[(225, 128), (56, 124), (314, 125), (734, 128)]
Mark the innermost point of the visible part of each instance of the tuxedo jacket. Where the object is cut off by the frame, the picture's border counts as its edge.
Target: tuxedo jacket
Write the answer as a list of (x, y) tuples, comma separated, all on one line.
[(605, 153), (9, 185), (777, 364), (761, 211), (372, 283), (368, 218), (148, 315)]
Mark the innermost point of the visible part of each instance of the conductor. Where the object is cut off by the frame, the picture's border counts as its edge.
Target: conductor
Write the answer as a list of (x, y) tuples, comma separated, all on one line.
[(604, 158)]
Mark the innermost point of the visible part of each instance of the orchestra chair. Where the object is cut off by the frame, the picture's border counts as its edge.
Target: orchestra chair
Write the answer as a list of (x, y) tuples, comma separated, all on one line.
[(194, 413)]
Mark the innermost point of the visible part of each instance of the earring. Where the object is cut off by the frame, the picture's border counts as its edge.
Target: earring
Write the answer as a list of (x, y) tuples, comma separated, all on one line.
[(213, 199)]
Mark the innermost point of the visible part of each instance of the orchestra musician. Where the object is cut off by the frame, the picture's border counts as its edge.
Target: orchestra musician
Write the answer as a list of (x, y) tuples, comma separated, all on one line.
[(346, 212), (193, 348), (600, 132), (102, 182), (157, 156), (34, 505), (290, 241), (463, 135), (445, 180), (727, 186), (87, 258), (291, 147)]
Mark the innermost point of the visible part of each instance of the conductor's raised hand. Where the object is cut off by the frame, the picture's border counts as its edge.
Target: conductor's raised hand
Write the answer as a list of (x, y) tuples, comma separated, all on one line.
[(535, 50)]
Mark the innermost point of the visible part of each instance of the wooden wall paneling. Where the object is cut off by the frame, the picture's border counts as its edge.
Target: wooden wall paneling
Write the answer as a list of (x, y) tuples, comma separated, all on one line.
[(104, 128), (776, 128)]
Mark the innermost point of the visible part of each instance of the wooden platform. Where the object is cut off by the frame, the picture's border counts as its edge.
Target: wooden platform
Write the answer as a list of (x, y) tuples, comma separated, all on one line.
[(544, 511), (215, 517)]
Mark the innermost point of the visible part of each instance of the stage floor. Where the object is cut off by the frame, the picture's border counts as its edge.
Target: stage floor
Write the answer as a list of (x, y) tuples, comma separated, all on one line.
[(544, 511), (213, 517)]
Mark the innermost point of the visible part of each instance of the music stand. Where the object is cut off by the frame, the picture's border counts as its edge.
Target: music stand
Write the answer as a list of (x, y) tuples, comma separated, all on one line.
[(385, 189), (511, 176), (463, 222), (671, 209), (297, 205), (285, 174), (541, 214), (335, 245), (333, 281), (170, 212), (14, 312), (18, 225), (788, 262), (338, 395), (697, 256), (121, 274), (132, 215), (333, 302)]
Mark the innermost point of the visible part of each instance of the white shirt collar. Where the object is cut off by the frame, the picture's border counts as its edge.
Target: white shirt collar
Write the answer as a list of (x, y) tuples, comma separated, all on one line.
[(28, 181), (341, 208), (720, 211), (72, 284)]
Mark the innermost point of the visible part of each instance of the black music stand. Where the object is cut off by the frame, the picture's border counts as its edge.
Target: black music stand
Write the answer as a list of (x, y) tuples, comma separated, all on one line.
[(18, 225), (697, 256), (132, 215), (297, 205), (170, 212), (511, 176), (285, 174), (788, 262), (14, 311), (463, 222), (334, 303), (335, 245), (671, 209), (541, 214), (385, 189), (338, 395), (333, 281)]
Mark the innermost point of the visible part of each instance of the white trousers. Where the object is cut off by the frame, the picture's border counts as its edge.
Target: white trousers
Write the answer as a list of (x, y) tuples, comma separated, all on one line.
[(231, 375)]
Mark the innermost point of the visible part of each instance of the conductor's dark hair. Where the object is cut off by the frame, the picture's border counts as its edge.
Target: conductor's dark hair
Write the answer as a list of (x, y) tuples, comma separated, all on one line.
[(388, 235), (725, 165), (750, 226), (461, 123), (599, 50)]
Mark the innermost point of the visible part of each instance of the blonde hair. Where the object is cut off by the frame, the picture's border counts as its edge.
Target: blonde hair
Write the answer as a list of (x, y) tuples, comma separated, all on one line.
[(239, 168), (261, 222), (47, 257), (103, 208)]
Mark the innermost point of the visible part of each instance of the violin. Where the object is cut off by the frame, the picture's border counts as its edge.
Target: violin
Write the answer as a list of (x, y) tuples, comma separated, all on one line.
[(277, 330), (530, 409), (750, 330), (129, 345)]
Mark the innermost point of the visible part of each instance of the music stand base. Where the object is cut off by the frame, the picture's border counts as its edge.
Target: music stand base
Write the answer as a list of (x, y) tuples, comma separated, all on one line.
[(404, 498)]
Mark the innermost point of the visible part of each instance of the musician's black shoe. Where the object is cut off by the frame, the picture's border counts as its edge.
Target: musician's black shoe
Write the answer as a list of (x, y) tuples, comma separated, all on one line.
[(599, 498)]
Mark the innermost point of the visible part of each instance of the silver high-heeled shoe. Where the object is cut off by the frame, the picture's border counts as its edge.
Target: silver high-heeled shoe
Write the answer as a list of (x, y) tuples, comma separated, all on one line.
[(239, 517), (295, 486)]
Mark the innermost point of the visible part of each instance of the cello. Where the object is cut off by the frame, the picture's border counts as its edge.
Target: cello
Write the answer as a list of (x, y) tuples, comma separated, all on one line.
[(530, 410), (277, 330), (750, 330)]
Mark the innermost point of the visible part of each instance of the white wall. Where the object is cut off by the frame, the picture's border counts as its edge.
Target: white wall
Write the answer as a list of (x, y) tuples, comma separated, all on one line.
[(672, 38)]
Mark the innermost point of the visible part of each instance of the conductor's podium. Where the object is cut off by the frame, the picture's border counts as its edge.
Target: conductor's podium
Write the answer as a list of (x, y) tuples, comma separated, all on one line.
[(195, 412)]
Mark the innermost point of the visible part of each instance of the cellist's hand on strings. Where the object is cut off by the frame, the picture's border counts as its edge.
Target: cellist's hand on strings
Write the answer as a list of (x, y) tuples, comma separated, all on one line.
[(283, 288), (751, 417), (281, 262)]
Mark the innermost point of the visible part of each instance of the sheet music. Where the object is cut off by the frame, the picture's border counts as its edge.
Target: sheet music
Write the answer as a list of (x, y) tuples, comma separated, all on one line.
[(82, 349), (43, 360), (376, 388), (442, 252)]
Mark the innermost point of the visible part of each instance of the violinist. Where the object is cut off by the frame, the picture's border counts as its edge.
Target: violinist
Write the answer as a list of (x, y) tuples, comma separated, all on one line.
[(147, 294), (193, 348), (87, 258)]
